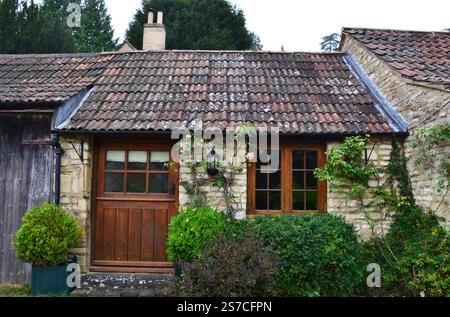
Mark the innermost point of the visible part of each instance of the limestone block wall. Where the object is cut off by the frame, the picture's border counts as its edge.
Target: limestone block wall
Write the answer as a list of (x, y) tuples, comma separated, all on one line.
[(339, 204), (76, 179), (420, 105), (214, 195)]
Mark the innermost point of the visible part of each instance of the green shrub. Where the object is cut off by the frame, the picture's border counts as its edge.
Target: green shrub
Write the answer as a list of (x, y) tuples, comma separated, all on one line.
[(191, 230), (230, 268), (46, 235), (319, 254), (414, 255)]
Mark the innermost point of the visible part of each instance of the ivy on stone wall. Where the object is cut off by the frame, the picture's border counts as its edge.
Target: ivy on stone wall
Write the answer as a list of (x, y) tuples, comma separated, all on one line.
[(224, 180), (428, 140), (348, 169)]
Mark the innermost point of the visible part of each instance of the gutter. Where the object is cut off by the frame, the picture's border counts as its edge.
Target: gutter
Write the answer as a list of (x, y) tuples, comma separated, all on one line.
[(58, 152), (394, 119)]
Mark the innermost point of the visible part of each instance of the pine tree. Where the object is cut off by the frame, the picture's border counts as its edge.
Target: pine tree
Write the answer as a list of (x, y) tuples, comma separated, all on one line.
[(330, 43), (55, 36), (8, 20), (196, 24), (96, 33)]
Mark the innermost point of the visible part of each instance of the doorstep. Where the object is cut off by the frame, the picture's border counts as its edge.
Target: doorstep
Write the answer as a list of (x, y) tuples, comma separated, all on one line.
[(101, 284)]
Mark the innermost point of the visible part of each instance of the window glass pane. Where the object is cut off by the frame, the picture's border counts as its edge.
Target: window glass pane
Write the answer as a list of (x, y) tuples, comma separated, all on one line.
[(298, 200), (275, 180), (137, 160), (274, 200), (311, 201), (136, 183), (311, 159), (311, 181), (298, 180), (298, 159), (115, 160), (159, 161), (261, 200), (159, 183), (261, 180), (114, 182)]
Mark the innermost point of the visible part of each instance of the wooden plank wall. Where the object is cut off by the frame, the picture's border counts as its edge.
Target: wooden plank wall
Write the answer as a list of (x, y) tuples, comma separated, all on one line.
[(25, 181)]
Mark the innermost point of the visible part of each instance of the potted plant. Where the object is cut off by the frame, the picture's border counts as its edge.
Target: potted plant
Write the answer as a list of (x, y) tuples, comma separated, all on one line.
[(45, 238)]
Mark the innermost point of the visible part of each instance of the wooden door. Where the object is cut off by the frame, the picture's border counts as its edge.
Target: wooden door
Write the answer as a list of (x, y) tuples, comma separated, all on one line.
[(137, 188), (26, 162)]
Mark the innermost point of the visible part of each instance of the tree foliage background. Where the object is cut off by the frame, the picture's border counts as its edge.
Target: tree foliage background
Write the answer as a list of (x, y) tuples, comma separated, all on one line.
[(28, 27), (330, 43), (197, 24)]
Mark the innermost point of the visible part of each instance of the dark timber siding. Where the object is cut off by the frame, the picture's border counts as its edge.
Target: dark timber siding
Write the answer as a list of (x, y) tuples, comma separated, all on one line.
[(25, 181)]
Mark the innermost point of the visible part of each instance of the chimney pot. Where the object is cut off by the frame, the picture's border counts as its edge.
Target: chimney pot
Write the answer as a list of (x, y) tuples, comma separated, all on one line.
[(160, 18), (150, 17)]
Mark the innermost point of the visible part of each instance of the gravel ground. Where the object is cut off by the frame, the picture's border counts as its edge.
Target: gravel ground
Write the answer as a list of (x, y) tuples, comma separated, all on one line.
[(125, 285)]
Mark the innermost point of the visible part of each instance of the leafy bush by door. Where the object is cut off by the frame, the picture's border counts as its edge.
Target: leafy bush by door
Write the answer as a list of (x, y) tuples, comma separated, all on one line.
[(191, 230), (46, 235)]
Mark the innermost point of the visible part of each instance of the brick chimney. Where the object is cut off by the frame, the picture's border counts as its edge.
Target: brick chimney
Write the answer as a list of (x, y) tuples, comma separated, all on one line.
[(154, 33)]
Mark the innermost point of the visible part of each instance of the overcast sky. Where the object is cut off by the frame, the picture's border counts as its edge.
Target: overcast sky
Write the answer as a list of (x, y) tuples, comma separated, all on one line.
[(299, 25)]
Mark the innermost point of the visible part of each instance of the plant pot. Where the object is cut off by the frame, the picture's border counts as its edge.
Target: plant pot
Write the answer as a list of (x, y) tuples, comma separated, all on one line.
[(178, 271), (50, 280)]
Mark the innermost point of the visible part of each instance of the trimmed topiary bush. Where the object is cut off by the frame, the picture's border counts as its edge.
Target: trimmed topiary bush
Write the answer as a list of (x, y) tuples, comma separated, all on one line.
[(46, 235), (230, 268), (191, 230), (319, 254)]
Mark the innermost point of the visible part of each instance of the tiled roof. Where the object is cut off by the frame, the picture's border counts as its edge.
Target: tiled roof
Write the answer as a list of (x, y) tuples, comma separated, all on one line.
[(421, 56), (47, 78), (306, 93)]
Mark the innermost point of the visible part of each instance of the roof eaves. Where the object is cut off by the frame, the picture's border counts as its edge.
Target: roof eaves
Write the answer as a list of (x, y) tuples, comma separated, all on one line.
[(394, 119)]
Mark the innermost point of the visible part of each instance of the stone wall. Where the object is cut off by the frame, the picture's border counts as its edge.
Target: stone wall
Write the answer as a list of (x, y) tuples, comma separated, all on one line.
[(420, 105), (214, 195), (339, 204), (76, 179)]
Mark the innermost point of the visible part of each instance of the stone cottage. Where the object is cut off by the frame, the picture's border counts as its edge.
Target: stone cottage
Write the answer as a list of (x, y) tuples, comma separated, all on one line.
[(103, 126), (412, 71)]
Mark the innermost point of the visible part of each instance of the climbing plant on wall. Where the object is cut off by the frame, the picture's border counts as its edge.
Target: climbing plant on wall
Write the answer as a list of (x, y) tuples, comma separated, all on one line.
[(225, 178), (347, 168), (428, 140)]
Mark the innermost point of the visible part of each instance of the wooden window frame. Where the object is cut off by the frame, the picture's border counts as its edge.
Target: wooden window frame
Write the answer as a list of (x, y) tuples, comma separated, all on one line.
[(286, 149)]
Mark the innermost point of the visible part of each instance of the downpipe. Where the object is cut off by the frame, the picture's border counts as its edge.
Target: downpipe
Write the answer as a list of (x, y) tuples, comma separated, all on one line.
[(58, 152)]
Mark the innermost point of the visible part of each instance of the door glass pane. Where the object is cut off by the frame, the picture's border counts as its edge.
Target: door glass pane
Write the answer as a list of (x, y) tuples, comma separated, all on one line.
[(311, 181), (159, 161), (136, 183), (298, 180), (311, 201), (261, 180), (261, 200), (275, 180), (114, 182), (137, 160), (311, 159), (115, 160), (298, 200), (274, 200), (298, 159), (159, 183)]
